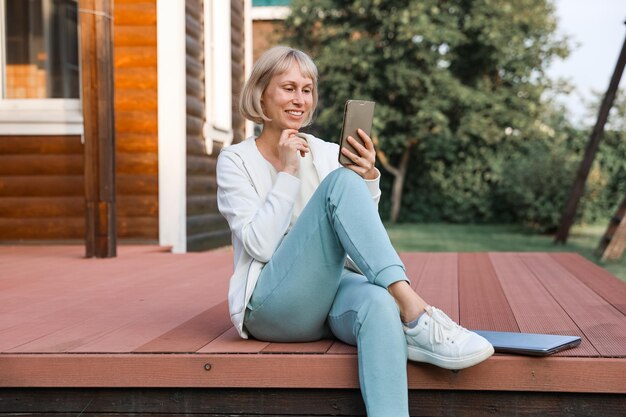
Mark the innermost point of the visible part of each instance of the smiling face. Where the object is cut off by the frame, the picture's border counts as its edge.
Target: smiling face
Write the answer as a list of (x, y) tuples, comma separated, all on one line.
[(287, 100)]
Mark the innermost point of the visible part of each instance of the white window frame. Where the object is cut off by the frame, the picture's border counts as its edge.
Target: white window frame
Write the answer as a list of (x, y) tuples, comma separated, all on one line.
[(270, 12), (248, 33), (172, 114), (217, 74), (35, 116)]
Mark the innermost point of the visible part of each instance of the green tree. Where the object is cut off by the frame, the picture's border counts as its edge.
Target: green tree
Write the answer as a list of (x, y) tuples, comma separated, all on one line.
[(456, 83)]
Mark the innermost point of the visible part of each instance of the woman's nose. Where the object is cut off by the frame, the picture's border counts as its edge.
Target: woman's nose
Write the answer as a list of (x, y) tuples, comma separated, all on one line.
[(297, 97)]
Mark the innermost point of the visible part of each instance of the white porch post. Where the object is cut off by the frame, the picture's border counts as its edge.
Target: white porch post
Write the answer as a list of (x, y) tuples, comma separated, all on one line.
[(172, 124)]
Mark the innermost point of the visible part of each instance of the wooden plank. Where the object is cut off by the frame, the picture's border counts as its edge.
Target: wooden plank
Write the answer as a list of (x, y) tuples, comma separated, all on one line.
[(245, 402), (499, 373), (230, 341), (25, 207), (130, 78), (209, 240), (414, 262), (135, 56), (135, 99), (206, 223), (136, 121), (42, 320), (137, 184), (194, 333), (483, 304), (535, 309), (197, 204), (41, 164), (340, 348), (74, 278), (194, 125), (41, 186), (197, 146), (439, 283), (141, 14), (598, 279), (196, 185), (117, 311), (317, 347), (17, 229), (195, 106), (602, 324), (138, 206), (139, 228), (136, 142), (202, 165), (16, 145), (137, 163), (145, 35)]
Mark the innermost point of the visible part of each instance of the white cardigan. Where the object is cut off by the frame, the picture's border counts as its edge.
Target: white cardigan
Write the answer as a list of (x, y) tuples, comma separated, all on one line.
[(258, 212)]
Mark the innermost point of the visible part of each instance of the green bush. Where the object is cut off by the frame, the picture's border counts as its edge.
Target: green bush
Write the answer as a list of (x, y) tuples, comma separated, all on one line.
[(535, 185)]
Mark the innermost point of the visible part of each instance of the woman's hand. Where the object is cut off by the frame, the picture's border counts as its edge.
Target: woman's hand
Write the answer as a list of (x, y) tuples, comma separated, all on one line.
[(366, 159), (290, 149)]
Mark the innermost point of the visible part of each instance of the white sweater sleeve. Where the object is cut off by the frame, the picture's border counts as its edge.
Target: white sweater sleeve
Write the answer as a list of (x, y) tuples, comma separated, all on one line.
[(259, 224)]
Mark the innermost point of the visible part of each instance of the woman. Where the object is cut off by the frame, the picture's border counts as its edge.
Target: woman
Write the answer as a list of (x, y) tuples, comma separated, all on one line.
[(297, 219)]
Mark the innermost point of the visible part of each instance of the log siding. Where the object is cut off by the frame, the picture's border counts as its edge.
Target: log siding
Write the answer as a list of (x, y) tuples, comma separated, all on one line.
[(136, 122), (206, 228)]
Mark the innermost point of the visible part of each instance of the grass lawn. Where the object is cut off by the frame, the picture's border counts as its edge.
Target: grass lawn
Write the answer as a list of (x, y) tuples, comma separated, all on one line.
[(498, 238)]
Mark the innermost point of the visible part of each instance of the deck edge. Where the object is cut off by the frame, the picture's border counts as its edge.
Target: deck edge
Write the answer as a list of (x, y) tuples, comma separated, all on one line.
[(499, 373)]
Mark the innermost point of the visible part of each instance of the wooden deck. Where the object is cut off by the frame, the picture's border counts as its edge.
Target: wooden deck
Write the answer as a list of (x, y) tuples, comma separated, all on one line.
[(150, 327)]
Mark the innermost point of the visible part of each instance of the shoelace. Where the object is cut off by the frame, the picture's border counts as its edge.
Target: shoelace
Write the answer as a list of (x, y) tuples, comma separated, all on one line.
[(441, 327)]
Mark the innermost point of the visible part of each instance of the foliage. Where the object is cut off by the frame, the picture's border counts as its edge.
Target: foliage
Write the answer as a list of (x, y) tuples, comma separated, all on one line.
[(539, 177), (462, 77)]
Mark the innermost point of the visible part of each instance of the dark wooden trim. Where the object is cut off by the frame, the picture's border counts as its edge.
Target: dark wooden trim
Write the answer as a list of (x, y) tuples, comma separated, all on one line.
[(299, 402), (96, 53)]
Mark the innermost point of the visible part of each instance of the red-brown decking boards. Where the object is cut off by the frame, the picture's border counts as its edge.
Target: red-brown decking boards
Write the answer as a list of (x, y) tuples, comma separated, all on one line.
[(596, 278), (152, 319), (230, 341), (438, 284), (192, 334), (602, 324), (535, 310), (477, 282)]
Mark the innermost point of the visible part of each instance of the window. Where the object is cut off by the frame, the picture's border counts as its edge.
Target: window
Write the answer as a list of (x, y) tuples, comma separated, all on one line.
[(41, 49), (39, 71)]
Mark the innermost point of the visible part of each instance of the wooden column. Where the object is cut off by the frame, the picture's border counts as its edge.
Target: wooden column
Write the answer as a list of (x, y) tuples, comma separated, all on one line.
[(96, 50)]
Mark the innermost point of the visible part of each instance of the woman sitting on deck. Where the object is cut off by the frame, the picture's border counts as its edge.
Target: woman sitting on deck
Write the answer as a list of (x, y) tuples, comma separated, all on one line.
[(295, 215)]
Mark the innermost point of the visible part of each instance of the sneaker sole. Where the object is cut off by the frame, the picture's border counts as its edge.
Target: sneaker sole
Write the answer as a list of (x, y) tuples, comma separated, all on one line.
[(420, 355)]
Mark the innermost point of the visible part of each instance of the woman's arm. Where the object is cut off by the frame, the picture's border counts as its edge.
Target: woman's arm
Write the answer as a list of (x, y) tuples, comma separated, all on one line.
[(259, 224)]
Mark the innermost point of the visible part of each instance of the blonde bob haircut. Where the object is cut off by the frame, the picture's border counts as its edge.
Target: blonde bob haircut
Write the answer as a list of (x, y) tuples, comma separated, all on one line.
[(273, 62)]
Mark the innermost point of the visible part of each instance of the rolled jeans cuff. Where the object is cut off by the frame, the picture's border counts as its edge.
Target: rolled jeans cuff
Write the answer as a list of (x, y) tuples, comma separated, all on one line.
[(389, 275)]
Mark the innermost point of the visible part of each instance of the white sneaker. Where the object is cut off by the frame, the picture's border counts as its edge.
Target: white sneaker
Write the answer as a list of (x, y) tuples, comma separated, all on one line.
[(440, 341)]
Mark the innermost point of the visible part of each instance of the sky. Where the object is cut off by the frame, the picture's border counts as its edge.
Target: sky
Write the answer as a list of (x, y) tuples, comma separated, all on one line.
[(597, 31)]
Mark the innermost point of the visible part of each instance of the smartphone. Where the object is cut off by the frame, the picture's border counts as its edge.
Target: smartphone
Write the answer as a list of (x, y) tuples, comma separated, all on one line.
[(357, 114)]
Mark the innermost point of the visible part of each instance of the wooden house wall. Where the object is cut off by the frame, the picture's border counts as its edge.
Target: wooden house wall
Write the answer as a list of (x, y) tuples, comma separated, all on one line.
[(136, 120), (206, 228), (41, 188), (41, 178)]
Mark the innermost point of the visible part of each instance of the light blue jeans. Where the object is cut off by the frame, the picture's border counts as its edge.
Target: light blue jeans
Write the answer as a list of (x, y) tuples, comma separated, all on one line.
[(304, 293)]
